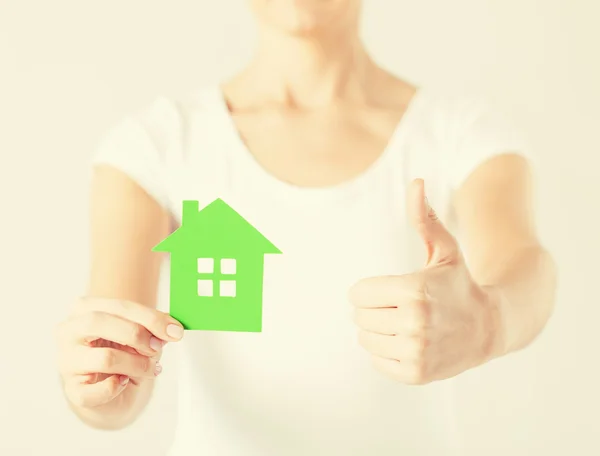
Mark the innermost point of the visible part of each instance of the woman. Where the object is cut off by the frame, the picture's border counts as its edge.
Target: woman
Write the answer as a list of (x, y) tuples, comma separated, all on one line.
[(326, 154)]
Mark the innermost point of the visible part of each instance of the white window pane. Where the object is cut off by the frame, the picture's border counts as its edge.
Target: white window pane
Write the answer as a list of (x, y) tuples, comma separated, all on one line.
[(205, 287), (227, 266), (227, 288), (206, 265)]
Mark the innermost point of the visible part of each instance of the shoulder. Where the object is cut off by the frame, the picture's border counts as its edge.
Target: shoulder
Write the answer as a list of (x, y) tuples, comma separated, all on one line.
[(454, 134), (144, 141), (168, 115), (455, 110), (473, 128), (158, 124)]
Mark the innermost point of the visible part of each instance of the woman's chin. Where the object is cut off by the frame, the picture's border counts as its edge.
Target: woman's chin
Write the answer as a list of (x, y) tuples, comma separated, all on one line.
[(303, 17), (301, 26)]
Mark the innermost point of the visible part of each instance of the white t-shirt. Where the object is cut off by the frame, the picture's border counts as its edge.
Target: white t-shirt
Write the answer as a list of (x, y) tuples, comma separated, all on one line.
[(304, 386)]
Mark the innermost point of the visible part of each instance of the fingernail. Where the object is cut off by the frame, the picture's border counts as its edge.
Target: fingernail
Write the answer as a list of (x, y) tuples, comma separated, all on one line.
[(123, 380), (155, 344), (157, 368), (175, 331)]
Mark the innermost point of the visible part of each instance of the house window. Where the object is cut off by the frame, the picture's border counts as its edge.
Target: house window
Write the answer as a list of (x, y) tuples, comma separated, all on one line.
[(227, 288), (227, 266), (205, 287), (206, 265), (217, 278)]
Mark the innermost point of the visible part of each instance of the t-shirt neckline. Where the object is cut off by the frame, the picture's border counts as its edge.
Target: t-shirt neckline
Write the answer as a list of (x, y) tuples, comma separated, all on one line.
[(287, 191)]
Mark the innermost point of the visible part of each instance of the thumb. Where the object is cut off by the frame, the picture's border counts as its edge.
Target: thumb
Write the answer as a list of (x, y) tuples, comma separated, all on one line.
[(441, 245)]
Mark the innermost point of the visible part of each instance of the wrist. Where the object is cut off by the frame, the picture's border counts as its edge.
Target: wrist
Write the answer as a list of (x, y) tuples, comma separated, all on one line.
[(495, 335)]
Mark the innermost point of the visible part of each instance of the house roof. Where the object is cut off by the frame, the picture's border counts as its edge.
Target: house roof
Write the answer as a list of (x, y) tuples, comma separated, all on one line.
[(215, 230)]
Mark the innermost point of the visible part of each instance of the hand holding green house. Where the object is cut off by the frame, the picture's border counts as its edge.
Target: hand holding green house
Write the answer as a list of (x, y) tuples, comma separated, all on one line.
[(217, 262)]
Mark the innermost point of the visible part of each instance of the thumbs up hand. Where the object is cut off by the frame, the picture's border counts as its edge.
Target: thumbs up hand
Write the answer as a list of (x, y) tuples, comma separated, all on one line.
[(431, 324)]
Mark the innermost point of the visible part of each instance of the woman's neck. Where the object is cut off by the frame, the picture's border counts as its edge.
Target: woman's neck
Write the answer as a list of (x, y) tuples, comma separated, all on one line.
[(309, 72)]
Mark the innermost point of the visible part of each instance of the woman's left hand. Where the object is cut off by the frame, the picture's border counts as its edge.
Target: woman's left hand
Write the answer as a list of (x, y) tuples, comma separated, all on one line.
[(432, 324)]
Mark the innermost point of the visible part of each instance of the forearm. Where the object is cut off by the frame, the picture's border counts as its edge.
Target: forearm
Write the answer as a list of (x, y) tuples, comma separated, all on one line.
[(522, 293), (123, 267), (115, 416)]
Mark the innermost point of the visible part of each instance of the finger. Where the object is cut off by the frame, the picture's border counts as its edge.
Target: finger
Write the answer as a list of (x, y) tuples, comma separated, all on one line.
[(84, 394), (401, 371), (400, 348), (381, 321), (83, 360), (388, 291), (158, 323), (89, 326), (439, 242), (410, 319)]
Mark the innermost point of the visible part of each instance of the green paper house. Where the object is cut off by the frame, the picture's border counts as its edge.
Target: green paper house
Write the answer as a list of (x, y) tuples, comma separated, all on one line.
[(217, 261)]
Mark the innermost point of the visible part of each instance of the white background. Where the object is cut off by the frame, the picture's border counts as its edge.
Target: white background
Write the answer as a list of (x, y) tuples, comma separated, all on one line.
[(69, 69)]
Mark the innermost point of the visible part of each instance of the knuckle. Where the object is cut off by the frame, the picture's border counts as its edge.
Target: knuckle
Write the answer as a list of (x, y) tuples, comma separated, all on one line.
[(154, 319), (143, 363), (420, 286), (89, 321), (418, 374), (421, 317), (139, 363), (126, 305), (397, 320), (418, 328), (417, 349), (412, 377), (138, 334), (422, 345), (128, 308), (157, 320), (111, 387), (427, 310), (107, 357)]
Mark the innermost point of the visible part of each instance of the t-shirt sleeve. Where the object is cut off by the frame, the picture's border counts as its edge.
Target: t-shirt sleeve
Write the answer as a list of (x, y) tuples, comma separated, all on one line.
[(136, 146), (482, 132)]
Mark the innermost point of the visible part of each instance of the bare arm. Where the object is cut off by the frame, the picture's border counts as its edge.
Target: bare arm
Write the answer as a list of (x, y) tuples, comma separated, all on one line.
[(125, 224), (495, 215)]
